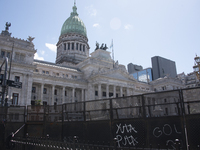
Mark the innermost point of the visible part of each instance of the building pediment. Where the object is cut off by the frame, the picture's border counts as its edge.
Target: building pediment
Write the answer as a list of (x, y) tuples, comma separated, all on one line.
[(112, 74)]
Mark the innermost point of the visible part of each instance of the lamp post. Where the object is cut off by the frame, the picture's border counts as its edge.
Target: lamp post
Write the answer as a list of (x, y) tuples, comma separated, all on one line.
[(196, 68)]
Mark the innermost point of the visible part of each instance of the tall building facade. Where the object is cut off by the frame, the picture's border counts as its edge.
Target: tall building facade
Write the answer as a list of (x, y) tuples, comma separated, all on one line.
[(163, 67), (74, 77), (132, 68)]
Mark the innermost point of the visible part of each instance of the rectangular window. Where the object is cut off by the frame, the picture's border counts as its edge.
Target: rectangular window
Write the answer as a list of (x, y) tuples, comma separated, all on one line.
[(45, 91), (2, 54), (68, 46), (57, 74), (33, 89), (36, 70), (166, 111), (43, 71), (110, 94), (65, 47), (22, 57), (76, 46), (65, 93), (15, 99), (44, 103), (72, 46), (104, 94), (1, 76), (8, 54), (55, 92), (17, 56), (96, 93), (80, 47), (47, 72), (84, 48), (17, 78), (66, 75)]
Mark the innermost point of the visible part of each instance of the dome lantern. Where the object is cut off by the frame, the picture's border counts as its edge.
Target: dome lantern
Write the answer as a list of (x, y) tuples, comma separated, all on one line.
[(74, 24)]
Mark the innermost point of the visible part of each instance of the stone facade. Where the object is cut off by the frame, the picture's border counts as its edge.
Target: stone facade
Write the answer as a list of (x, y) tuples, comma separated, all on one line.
[(75, 76)]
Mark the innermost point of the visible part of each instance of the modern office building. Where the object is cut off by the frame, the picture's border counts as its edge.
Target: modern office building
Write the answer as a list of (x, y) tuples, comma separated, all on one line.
[(163, 67), (132, 68)]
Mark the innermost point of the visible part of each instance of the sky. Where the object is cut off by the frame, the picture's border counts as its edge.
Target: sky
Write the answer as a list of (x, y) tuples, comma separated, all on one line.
[(140, 29)]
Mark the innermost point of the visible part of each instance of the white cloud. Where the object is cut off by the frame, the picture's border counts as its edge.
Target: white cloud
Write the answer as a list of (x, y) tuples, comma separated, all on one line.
[(96, 25), (128, 27), (42, 52), (91, 10), (52, 47), (38, 57), (115, 23)]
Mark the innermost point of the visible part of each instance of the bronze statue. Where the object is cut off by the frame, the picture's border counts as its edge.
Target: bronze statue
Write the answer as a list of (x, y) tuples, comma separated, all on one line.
[(97, 45), (105, 47), (102, 46), (8, 24)]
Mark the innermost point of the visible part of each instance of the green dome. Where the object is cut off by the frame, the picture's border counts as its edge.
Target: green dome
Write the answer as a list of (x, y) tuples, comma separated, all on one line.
[(74, 24)]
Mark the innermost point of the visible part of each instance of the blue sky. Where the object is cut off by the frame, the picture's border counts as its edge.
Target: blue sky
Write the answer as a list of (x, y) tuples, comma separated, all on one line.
[(140, 29)]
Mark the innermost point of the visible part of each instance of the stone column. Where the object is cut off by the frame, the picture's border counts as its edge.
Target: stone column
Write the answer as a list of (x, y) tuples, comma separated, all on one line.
[(114, 91), (82, 95), (99, 91), (73, 92), (29, 89), (107, 91), (41, 94), (121, 91), (63, 95), (52, 95), (127, 91)]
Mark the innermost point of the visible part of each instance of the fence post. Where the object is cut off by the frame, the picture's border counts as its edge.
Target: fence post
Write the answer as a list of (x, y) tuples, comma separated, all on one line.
[(111, 110), (143, 107), (115, 143), (74, 142)]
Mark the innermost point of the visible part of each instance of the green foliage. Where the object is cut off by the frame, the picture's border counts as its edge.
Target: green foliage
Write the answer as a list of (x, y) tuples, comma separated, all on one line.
[(38, 102)]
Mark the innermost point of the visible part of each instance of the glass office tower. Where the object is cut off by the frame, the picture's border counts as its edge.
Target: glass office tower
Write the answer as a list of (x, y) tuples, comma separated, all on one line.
[(143, 75)]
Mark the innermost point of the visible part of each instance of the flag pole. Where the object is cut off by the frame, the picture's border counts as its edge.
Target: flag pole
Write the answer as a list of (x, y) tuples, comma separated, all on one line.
[(111, 46)]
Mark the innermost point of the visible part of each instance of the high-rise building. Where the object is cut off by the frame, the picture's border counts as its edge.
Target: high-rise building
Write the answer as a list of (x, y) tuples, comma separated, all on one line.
[(132, 68), (163, 67)]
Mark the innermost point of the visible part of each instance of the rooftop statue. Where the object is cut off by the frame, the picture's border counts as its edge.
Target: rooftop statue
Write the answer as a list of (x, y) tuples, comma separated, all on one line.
[(30, 39), (97, 45), (105, 47), (8, 24), (102, 46)]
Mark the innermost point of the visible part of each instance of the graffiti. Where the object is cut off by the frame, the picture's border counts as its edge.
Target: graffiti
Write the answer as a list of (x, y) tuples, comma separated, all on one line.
[(166, 130), (124, 135)]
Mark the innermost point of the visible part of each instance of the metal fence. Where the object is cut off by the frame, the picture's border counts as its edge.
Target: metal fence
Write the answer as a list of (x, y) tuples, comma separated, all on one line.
[(152, 120)]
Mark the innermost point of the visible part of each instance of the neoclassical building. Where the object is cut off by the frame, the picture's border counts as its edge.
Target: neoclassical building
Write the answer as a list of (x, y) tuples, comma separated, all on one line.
[(77, 75)]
